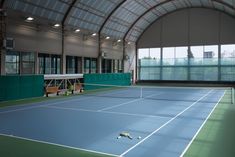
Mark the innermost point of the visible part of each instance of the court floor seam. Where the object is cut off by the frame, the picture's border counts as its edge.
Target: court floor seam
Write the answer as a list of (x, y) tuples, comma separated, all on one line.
[(43, 105), (169, 121), (108, 112)]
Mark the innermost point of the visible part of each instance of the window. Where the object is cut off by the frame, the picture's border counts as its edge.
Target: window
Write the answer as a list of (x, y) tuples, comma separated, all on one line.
[(228, 54), (87, 65), (49, 64), (120, 66), (106, 65), (143, 53), (155, 53), (93, 65), (196, 63), (28, 62), (90, 65), (115, 66), (71, 65), (175, 56), (210, 55), (12, 63), (196, 55), (181, 55), (204, 55), (55, 64)]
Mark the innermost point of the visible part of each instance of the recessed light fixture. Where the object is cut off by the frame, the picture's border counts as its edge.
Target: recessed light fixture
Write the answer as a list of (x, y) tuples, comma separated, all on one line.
[(56, 25), (77, 30), (128, 43), (119, 40), (29, 19), (94, 34), (107, 38)]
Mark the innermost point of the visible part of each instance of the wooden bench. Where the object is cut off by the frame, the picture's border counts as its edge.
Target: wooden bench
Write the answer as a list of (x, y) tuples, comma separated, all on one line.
[(77, 87), (50, 90)]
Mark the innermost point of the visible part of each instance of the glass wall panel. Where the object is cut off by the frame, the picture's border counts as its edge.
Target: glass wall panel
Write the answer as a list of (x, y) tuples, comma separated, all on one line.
[(106, 65), (204, 63), (41, 61), (204, 73), (87, 65), (93, 65), (150, 73), (210, 55), (90, 65), (228, 73), (12, 62), (143, 53), (155, 53), (120, 66), (49, 64), (115, 68), (71, 64), (144, 73), (174, 73), (204, 55), (196, 55), (181, 55), (228, 54), (154, 73), (168, 56), (28, 62)]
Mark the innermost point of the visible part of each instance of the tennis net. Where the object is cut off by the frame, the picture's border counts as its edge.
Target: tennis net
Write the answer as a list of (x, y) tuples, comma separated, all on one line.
[(190, 94)]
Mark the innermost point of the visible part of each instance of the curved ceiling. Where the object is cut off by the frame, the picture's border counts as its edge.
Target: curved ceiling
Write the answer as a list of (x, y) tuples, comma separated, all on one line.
[(119, 19)]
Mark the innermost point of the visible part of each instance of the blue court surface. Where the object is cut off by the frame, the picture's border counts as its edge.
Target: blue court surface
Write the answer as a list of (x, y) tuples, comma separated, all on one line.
[(166, 119)]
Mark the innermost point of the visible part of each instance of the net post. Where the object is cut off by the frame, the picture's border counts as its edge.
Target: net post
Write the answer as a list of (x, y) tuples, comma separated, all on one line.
[(141, 92)]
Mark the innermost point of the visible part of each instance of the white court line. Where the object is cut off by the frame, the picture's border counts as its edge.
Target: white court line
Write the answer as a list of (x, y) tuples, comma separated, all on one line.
[(60, 145), (169, 121), (43, 105), (107, 112), (182, 154), (128, 102)]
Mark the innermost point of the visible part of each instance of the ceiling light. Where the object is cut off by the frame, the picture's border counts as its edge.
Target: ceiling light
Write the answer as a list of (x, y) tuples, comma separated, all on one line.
[(94, 34), (29, 19), (77, 30), (129, 43), (56, 25), (119, 40), (107, 38)]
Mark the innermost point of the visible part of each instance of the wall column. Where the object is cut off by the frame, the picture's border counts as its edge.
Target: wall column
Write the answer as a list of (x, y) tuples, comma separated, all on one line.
[(99, 59), (2, 62), (63, 56), (36, 64)]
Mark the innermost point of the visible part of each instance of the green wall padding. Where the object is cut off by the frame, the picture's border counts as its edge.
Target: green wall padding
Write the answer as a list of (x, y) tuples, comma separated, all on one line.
[(121, 79), (20, 87)]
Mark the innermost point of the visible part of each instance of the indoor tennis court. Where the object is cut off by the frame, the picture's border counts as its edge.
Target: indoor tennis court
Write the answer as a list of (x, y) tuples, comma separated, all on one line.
[(125, 78), (154, 116)]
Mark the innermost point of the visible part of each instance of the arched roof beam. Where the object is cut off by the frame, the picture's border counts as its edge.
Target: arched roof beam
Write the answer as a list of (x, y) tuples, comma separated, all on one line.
[(224, 3), (68, 11), (141, 16), (110, 14)]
